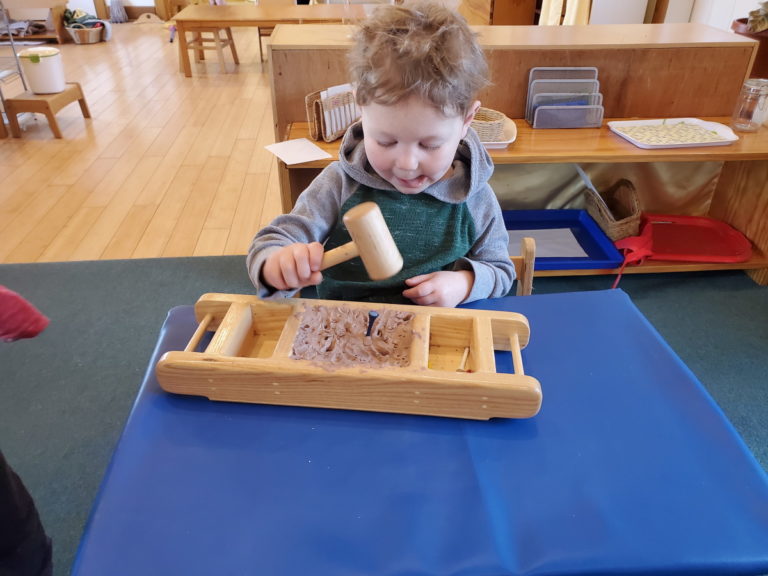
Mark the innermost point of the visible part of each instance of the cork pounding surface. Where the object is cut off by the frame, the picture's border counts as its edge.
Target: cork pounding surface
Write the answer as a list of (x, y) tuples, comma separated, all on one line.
[(337, 336)]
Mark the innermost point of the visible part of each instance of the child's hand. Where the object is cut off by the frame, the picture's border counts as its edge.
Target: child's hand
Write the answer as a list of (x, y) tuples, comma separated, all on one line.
[(294, 266), (442, 288)]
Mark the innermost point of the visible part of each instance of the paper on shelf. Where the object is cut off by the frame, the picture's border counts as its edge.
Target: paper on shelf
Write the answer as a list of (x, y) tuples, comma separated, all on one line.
[(297, 151)]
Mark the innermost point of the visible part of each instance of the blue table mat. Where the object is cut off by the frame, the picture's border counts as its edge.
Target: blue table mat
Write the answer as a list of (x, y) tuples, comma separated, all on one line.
[(629, 468)]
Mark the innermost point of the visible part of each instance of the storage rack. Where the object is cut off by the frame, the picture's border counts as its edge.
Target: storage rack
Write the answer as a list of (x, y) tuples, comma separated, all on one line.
[(10, 66)]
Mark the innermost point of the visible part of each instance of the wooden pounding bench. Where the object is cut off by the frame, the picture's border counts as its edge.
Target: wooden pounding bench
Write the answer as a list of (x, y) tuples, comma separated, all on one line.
[(450, 369), (203, 18), (645, 71)]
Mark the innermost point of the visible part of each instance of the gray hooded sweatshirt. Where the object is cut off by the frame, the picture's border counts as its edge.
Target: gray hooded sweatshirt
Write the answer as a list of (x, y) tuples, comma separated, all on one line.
[(454, 224)]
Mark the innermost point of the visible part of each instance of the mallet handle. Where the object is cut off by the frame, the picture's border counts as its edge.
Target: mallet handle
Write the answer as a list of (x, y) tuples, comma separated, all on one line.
[(340, 254)]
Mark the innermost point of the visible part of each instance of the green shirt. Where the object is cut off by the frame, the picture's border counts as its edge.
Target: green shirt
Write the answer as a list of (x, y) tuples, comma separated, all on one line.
[(430, 235)]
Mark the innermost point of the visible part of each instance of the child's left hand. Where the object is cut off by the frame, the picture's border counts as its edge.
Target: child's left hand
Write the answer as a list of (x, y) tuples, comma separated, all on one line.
[(442, 288)]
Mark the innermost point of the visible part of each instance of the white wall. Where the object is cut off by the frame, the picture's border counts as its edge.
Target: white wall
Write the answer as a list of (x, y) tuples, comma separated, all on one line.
[(29, 9), (86, 5), (38, 9), (613, 12), (679, 11), (720, 13)]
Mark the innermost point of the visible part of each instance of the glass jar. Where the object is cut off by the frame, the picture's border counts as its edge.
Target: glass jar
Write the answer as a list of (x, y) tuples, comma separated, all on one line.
[(752, 106)]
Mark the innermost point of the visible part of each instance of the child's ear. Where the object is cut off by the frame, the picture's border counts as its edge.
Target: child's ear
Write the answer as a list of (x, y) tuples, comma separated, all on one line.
[(474, 107)]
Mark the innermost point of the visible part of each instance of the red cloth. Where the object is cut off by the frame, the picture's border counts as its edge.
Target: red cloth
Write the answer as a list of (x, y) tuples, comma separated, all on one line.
[(18, 318)]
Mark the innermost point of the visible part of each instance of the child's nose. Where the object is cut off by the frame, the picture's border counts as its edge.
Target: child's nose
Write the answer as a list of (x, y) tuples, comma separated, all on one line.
[(407, 159)]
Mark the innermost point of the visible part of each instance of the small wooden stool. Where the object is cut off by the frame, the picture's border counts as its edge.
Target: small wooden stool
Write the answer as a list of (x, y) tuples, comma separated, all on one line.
[(48, 104)]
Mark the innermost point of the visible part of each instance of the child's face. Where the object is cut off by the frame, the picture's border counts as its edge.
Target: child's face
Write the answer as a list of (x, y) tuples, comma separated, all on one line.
[(411, 144)]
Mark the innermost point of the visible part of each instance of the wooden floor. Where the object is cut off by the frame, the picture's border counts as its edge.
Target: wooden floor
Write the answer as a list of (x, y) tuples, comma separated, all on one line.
[(168, 166)]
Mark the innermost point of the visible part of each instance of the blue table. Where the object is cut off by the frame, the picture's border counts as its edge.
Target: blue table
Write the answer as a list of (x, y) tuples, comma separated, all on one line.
[(629, 468)]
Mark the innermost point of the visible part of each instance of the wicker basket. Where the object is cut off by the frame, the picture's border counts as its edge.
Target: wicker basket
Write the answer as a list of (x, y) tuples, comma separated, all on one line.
[(489, 125), (85, 35), (616, 210), (343, 103)]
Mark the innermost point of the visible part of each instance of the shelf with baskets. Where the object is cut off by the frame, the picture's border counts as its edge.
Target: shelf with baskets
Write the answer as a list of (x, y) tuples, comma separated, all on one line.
[(646, 71), (58, 34), (534, 146), (589, 145)]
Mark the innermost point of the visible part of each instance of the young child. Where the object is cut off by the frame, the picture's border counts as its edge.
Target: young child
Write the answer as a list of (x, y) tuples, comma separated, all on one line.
[(416, 69)]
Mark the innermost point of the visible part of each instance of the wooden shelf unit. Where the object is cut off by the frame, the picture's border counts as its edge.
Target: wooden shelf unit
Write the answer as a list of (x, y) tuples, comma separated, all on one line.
[(58, 34), (645, 71), (584, 145)]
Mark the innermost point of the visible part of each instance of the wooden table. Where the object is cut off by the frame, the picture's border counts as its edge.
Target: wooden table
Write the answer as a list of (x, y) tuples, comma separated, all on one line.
[(198, 17)]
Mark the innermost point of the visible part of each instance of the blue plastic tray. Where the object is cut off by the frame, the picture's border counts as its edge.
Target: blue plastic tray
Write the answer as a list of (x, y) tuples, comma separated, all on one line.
[(601, 253)]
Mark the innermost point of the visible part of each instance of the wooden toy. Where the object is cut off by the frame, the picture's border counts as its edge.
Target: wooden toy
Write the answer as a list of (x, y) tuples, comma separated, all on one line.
[(450, 369)]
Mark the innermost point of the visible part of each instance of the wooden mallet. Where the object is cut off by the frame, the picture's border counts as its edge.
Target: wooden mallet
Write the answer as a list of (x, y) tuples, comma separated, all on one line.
[(371, 240)]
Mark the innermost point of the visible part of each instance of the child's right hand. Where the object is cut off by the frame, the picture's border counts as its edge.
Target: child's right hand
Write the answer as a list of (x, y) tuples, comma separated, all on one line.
[(294, 266)]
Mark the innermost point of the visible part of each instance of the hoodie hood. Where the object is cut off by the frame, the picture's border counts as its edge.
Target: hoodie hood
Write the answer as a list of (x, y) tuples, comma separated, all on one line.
[(472, 167)]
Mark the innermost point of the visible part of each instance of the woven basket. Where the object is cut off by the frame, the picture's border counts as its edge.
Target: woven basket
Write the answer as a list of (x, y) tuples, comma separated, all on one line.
[(316, 109), (489, 125), (616, 210), (85, 35)]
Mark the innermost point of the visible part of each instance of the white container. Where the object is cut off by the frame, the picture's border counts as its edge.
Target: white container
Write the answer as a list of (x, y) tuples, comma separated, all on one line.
[(43, 70)]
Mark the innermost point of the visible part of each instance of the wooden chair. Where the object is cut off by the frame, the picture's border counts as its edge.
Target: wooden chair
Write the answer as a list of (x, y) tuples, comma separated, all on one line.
[(264, 32), (524, 265), (207, 39)]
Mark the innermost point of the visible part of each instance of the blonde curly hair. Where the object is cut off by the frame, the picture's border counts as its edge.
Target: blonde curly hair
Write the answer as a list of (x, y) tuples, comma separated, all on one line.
[(419, 48)]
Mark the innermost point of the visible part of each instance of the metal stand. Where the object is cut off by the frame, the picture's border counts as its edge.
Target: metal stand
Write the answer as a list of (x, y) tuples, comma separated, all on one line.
[(10, 67)]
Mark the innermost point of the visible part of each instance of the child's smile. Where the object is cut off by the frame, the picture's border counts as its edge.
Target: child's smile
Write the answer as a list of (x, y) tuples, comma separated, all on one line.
[(411, 144)]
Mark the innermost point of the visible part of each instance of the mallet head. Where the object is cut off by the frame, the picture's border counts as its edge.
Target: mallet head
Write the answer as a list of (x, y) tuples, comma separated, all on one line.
[(371, 240)]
